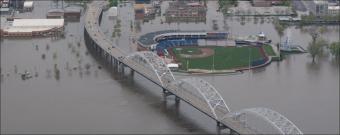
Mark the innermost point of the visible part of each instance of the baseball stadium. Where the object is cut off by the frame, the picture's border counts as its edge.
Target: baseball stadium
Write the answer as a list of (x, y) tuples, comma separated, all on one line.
[(205, 52)]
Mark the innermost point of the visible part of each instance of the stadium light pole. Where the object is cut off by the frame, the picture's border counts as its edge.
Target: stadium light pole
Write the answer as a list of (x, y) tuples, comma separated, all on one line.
[(249, 53), (213, 66)]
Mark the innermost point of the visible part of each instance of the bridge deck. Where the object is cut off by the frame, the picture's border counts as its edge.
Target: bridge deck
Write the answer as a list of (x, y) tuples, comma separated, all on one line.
[(93, 13)]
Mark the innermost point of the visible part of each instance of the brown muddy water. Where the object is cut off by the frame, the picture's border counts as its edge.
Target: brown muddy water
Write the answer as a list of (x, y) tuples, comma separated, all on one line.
[(86, 97)]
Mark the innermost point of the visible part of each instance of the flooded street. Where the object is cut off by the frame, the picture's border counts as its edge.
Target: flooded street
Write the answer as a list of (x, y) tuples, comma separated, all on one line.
[(72, 91)]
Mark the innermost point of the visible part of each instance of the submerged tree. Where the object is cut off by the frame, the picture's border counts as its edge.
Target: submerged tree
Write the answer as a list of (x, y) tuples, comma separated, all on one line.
[(279, 28), (317, 45), (113, 3), (315, 48), (335, 49), (56, 72)]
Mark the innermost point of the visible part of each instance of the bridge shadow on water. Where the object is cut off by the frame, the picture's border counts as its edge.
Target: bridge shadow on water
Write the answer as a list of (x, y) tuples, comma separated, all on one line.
[(165, 106)]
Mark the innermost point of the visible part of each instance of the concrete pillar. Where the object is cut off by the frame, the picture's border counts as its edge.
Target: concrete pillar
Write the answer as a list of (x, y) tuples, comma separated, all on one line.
[(177, 100), (106, 57), (118, 66), (100, 51), (132, 72), (221, 125), (218, 124), (111, 60), (115, 64), (164, 94), (122, 67), (233, 132)]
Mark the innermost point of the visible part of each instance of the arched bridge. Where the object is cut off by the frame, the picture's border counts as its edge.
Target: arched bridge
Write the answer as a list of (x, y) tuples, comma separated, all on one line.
[(196, 92)]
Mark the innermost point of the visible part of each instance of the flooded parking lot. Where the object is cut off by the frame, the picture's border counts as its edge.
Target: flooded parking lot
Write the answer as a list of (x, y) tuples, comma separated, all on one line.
[(71, 91)]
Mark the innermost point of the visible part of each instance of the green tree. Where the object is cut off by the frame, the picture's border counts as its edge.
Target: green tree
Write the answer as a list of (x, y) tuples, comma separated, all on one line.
[(224, 5), (279, 28), (335, 49), (113, 3), (315, 48)]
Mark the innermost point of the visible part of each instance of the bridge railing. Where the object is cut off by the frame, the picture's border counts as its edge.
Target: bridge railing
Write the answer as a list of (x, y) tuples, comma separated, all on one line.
[(206, 93), (150, 61), (275, 119)]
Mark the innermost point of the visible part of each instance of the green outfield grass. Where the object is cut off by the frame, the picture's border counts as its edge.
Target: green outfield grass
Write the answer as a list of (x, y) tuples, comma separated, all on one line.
[(223, 59), (269, 50)]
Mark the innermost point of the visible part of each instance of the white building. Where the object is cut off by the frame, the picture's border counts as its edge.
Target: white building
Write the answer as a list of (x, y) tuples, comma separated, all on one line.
[(28, 5), (333, 10), (32, 27), (113, 12), (320, 7)]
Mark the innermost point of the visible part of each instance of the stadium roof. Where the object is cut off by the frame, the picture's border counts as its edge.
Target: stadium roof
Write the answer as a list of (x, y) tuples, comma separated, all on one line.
[(37, 22), (30, 25)]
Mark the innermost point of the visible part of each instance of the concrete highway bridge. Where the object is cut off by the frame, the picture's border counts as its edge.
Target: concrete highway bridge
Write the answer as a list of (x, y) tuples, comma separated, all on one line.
[(194, 91)]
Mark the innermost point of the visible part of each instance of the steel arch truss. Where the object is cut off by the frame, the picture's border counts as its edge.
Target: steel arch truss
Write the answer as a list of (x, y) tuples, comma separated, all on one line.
[(151, 61), (210, 95), (280, 122)]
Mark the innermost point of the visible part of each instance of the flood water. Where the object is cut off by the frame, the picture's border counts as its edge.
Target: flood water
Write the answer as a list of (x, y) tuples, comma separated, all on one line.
[(87, 97)]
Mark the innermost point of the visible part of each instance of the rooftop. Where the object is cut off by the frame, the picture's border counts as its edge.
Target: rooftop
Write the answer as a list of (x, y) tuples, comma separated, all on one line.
[(320, 2), (37, 22), (334, 7), (30, 25), (138, 6), (28, 4)]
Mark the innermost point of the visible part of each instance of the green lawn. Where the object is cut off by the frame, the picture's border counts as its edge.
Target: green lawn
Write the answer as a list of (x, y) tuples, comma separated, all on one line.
[(269, 50), (224, 58)]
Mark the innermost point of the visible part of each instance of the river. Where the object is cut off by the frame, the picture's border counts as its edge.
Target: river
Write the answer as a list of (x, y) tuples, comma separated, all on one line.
[(86, 97)]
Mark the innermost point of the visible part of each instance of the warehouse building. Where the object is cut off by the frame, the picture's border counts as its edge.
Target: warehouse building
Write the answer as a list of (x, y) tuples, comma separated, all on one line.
[(33, 27)]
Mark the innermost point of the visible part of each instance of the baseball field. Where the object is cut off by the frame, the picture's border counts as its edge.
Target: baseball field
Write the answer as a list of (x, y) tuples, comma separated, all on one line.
[(218, 57)]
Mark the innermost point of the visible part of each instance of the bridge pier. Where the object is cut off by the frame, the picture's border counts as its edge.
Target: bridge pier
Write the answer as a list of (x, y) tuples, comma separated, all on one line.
[(97, 50), (233, 132), (221, 126), (110, 61), (177, 99), (120, 67), (166, 93), (132, 72), (115, 64), (101, 52), (107, 58)]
